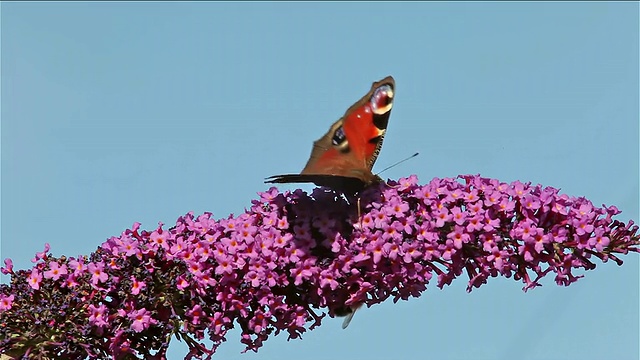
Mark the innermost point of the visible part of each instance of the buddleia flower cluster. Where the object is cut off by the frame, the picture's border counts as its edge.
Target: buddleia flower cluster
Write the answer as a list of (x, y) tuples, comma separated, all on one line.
[(293, 258)]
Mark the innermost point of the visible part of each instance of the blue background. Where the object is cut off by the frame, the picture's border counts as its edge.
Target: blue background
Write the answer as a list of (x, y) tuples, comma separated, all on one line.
[(120, 112)]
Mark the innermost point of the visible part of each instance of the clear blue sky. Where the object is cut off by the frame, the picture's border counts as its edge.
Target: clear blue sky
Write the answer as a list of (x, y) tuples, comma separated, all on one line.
[(120, 112)]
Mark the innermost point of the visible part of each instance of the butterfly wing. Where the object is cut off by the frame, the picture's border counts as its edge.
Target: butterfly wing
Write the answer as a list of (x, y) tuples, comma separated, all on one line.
[(346, 184), (351, 146)]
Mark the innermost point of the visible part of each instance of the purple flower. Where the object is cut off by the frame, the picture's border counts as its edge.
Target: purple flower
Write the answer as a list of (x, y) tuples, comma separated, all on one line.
[(541, 240), (233, 245), (302, 271), (225, 264), (392, 231), (282, 223), (506, 205), (471, 197), (407, 183), (269, 269), (410, 252), (219, 320)]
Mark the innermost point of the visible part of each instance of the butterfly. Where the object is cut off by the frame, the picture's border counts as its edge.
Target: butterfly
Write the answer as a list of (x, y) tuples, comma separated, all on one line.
[(342, 159)]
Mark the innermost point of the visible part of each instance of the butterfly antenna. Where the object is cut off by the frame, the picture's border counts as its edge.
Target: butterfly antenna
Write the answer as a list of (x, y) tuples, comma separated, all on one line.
[(398, 163)]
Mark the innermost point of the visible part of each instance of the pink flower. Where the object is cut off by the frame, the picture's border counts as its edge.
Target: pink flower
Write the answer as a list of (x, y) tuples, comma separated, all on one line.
[(397, 207), (407, 183), (492, 197), (376, 248), (8, 267), (392, 250), (219, 321), (410, 251), (254, 278), (498, 257), (55, 271), (159, 239), (137, 286), (506, 205), (98, 315), (583, 226), (327, 279), (277, 266), (178, 247), (225, 264), (282, 223), (34, 279), (181, 283), (530, 203), (130, 247), (458, 236), (41, 255), (392, 231), (442, 215), (476, 223), (6, 302), (97, 272), (70, 281), (141, 319), (77, 266), (379, 219), (541, 240), (195, 314), (599, 241), (490, 223), (458, 216), (233, 245)]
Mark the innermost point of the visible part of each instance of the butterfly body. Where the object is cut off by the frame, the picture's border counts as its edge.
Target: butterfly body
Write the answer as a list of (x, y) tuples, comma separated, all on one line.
[(342, 159)]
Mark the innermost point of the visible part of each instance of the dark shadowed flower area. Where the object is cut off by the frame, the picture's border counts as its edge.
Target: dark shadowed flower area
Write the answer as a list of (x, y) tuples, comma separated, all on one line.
[(293, 258)]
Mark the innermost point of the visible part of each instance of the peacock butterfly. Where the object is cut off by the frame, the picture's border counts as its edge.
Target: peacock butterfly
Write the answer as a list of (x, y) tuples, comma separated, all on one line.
[(343, 158)]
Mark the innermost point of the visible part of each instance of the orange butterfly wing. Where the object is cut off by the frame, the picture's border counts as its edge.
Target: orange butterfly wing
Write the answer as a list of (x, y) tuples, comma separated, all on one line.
[(343, 158)]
